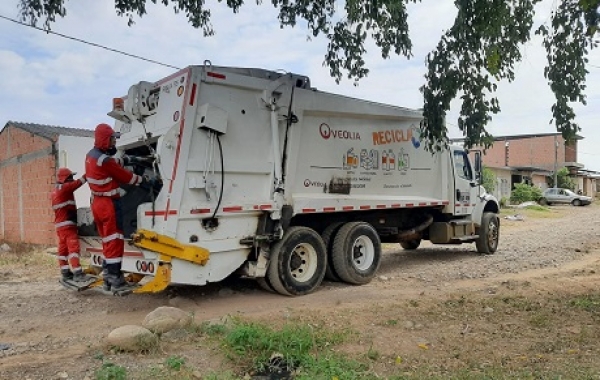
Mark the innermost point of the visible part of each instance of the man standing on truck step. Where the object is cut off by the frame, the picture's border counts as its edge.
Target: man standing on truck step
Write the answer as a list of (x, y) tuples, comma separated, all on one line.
[(104, 174), (65, 220)]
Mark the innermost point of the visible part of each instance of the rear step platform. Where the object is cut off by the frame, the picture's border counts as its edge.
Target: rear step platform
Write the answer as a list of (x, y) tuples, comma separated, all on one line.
[(120, 293), (95, 285), (79, 286)]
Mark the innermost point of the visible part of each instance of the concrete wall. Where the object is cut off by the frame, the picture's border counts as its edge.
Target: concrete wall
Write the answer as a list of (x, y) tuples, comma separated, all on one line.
[(503, 186), (71, 154)]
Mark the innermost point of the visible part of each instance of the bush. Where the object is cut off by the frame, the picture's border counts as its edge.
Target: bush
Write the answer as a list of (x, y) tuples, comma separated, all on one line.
[(488, 180), (525, 193)]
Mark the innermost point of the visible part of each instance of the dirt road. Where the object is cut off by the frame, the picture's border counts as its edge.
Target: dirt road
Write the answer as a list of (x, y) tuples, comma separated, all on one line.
[(51, 333)]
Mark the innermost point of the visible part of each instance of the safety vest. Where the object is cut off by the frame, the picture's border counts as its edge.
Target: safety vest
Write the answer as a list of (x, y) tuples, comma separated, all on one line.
[(105, 173)]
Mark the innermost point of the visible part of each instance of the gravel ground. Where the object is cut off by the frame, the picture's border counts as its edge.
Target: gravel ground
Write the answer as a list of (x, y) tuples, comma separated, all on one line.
[(566, 234), (42, 325)]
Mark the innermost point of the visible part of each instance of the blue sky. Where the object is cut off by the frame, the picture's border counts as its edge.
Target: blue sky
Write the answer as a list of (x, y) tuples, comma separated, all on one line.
[(47, 79)]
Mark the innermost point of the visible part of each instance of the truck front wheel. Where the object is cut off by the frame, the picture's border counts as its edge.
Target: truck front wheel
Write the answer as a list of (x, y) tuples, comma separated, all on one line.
[(489, 233), (298, 261), (356, 253)]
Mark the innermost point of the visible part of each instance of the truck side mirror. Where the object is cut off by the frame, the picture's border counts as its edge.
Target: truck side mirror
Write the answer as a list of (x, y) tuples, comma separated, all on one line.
[(478, 162)]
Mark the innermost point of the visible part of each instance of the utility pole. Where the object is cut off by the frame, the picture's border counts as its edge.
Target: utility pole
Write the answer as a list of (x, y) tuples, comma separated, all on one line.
[(555, 161)]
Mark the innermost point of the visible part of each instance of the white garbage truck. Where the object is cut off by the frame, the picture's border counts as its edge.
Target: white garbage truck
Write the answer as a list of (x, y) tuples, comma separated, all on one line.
[(259, 174)]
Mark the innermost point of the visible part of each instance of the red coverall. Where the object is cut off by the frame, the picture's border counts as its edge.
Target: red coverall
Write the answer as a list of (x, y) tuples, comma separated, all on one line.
[(65, 221), (104, 174)]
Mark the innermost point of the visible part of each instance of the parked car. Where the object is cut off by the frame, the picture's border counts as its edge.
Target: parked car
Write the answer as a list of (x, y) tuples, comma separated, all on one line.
[(565, 196)]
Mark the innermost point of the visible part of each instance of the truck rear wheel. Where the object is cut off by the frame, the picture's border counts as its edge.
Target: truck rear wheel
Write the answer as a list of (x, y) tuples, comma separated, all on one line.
[(356, 253), (489, 233), (264, 283), (328, 237), (410, 244), (298, 261)]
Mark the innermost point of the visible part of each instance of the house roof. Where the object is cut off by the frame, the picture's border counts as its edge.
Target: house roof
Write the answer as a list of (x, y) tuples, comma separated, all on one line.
[(49, 131), (519, 137)]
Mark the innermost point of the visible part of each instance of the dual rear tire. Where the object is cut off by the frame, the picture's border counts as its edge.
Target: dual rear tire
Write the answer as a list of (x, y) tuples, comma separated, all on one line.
[(348, 252)]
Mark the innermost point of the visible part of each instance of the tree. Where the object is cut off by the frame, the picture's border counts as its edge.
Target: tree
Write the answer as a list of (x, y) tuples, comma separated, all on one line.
[(488, 179), (563, 178), (479, 50)]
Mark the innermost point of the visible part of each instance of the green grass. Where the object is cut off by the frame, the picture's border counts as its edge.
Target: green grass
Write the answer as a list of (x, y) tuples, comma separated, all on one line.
[(175, 363), (307, 350), (588, 302), (532, 211), (110, 371)]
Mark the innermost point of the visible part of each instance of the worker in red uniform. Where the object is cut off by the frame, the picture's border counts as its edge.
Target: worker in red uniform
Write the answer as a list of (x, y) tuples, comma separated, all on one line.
[(104, 174), (65, 220)]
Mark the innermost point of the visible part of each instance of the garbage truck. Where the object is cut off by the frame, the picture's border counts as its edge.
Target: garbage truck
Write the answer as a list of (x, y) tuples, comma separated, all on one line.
[(256, 173)]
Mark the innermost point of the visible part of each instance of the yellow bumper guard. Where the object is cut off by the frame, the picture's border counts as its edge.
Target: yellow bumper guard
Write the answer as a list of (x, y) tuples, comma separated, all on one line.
[(168, 248)]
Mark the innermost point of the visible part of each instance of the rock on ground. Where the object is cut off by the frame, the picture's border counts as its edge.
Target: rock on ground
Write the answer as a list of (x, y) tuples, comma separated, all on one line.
[(131, 338), (166, 318)]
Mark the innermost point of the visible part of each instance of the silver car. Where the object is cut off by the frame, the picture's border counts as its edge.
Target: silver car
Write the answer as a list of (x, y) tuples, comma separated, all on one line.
[(565, 196)]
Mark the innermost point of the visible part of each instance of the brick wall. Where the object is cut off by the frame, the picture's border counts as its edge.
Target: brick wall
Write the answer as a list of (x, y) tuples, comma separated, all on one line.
[(27, 174), (533, 151), (571, 152)]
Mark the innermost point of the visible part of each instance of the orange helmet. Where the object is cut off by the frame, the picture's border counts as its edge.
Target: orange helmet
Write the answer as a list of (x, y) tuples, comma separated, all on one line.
[(64, 174)]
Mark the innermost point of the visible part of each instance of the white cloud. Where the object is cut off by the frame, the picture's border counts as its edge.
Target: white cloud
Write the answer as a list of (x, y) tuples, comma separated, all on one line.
[(53, 80)]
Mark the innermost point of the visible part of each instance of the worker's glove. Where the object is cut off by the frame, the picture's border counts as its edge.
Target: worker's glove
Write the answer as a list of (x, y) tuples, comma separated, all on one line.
[(151, 183), (140, 160)]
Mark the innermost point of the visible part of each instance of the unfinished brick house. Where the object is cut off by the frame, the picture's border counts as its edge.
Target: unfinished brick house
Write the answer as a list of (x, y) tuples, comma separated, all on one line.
[(30, 155), (532, 158)]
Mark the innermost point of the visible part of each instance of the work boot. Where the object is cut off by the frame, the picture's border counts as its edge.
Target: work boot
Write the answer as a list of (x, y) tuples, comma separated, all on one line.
[(81, 278), (108, 279), (66, 274), (119, 285)]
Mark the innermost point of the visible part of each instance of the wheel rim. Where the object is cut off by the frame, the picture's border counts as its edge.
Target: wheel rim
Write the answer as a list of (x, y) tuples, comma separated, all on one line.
[(303, 262), (363, 253), (492, 233)]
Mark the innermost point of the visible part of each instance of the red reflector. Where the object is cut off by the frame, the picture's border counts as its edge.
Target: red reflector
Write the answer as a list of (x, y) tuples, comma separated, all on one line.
[(232, 208), (200, 211), (215, 75), (193, 95)]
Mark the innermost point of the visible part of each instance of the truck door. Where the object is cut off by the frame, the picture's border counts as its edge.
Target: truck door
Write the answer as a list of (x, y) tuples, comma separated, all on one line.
[(464, 182)]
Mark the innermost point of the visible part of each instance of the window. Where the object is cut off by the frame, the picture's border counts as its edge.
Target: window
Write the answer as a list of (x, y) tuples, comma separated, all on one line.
[(462, 166)]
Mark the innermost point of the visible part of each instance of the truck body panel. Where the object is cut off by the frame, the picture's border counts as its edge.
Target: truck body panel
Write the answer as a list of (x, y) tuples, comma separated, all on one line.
[(245, 154)]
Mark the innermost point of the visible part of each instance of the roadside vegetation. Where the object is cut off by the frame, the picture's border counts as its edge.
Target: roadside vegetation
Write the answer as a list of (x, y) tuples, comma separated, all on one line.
[(544, 327), (23, 254), (518, 329), (508, 335)]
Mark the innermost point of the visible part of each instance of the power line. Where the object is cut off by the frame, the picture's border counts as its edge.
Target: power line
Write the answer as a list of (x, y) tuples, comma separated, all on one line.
[(89, 43)]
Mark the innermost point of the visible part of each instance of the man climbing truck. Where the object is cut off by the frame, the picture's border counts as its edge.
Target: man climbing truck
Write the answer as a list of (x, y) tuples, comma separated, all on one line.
[(263, 175)]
